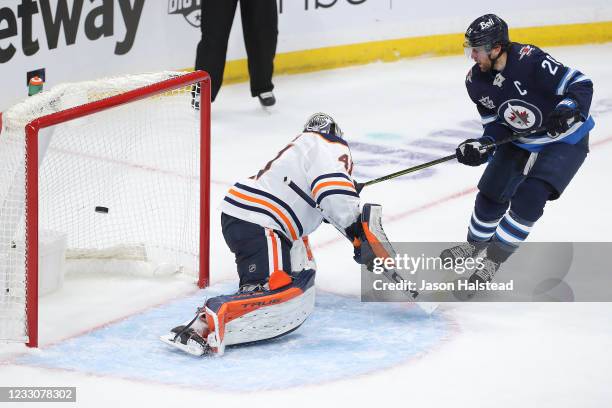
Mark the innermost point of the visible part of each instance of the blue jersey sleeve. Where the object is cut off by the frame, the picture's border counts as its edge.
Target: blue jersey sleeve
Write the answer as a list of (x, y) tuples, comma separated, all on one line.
[(580, 89), (563, 81)]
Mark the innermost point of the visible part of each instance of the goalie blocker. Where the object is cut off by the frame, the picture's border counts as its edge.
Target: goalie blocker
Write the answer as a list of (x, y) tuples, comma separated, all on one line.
[(370, 241)]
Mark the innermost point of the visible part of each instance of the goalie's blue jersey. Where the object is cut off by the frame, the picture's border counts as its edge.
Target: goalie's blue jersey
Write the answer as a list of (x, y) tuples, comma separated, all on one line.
[(521, 97)]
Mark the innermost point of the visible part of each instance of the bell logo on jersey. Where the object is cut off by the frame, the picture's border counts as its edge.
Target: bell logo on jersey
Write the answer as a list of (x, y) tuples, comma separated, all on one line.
[(520, 115)]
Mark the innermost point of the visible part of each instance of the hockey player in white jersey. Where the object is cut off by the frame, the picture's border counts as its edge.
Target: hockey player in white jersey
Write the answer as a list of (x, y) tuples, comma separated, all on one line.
[(266, 225)]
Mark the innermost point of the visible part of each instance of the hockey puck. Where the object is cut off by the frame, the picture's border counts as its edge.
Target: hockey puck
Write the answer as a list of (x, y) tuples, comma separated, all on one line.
[(102, 210)]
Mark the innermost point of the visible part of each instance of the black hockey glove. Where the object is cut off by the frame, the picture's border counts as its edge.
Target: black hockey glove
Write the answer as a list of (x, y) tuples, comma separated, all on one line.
[(564, 116), (472, 153), (362, 252)]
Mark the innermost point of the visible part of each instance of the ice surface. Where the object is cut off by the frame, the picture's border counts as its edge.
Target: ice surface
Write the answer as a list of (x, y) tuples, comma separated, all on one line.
[(394, 115), (342, 336)]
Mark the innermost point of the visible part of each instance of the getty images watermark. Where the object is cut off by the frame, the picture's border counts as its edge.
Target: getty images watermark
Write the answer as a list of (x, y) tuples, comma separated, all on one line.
[(408, 266), (537, 271)]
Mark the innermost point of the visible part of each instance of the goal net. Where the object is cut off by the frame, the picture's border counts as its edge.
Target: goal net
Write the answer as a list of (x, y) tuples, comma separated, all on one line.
[(119, 167)]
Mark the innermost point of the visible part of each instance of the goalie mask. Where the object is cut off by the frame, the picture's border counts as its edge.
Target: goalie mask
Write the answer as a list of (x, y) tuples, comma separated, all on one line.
[(324, 124)]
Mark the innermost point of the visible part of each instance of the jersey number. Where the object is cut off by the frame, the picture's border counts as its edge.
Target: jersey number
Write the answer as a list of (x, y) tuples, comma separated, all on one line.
[(269, 164), (348, 164), (547, 64)]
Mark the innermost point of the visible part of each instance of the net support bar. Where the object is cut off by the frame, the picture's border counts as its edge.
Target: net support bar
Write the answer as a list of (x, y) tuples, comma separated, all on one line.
[(32, 129)]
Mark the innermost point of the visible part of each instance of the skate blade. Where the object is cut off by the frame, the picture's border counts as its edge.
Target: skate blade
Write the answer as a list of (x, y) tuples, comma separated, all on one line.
[(270, 110), (428, 307), (193, 349)]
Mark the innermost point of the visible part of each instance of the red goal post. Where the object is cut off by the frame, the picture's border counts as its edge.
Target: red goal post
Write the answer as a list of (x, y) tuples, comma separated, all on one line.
[(31, 178)]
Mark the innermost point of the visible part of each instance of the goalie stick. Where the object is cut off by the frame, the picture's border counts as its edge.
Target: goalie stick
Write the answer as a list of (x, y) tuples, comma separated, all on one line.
[(391, 275)]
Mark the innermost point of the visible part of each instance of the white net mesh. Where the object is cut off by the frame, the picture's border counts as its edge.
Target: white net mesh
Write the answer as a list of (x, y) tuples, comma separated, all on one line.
[(120, 182)]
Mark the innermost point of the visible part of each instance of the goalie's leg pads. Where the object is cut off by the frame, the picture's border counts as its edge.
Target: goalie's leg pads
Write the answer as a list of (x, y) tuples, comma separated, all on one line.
[(248, 317), (376, 238)]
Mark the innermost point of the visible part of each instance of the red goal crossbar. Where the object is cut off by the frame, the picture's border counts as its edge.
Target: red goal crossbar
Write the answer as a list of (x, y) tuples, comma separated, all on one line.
[(31, 146)]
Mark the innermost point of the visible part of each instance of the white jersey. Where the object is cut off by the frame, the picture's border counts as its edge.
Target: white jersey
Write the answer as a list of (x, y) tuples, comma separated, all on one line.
[(321, 166)]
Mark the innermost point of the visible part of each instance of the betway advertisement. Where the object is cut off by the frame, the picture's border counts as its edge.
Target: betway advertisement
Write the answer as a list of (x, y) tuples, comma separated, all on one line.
[(74, 40)]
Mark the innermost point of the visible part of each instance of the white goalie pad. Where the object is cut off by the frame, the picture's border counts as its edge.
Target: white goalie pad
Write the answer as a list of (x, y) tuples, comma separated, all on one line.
[(371, 220), (240, 319)]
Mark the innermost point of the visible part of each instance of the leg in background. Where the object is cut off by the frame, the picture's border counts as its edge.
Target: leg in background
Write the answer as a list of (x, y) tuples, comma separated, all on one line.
[(216, 24), (260, 30)]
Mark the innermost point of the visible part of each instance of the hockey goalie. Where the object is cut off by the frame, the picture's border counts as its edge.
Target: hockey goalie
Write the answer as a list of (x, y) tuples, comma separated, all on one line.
[(266, 226)]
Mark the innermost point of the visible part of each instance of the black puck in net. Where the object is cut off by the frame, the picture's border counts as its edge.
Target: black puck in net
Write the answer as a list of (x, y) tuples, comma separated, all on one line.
[(102, 210)]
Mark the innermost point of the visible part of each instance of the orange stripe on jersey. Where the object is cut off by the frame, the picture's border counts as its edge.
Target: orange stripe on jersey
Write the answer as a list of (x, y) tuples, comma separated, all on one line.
[(268, 205), (274, 250), (332, 183), (308, 250)]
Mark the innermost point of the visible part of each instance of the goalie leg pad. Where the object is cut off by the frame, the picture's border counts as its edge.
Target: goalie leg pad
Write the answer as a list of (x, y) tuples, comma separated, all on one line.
[(249, 317), (371, 221)]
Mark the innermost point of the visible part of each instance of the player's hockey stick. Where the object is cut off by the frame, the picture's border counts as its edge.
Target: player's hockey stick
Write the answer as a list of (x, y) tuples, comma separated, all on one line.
[(390, 274), (485, 147)]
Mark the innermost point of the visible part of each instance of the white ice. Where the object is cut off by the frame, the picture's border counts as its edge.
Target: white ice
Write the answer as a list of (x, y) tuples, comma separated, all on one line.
[(504, 355)]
